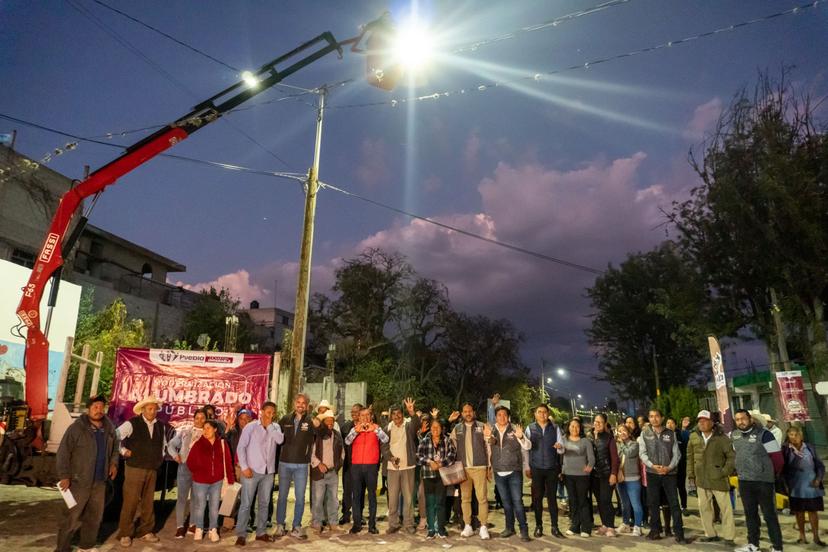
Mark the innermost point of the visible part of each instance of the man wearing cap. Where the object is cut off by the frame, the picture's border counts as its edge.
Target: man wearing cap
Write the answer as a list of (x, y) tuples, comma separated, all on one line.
[(327, 455), (710, 462), (143, 440), (86, 458)]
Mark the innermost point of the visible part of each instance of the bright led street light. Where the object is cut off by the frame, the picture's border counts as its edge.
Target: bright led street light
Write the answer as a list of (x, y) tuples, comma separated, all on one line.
[(250, 79), (412, 47)]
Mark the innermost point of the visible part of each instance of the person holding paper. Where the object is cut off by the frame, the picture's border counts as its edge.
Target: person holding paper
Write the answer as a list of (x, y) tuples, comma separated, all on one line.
[(210, 465), (86, 457)]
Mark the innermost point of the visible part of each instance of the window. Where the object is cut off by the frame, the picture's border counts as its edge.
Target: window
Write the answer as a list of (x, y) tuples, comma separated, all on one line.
[(146, 271), (23, 258), (285, 321)]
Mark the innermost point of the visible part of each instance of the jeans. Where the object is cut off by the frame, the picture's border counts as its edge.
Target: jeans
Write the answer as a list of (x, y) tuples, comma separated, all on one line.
[(325, 502), (756, 495), (86, 516), (364, 479), (511, 493), (545, 484), (435, 495), (202, 493), (632, 511), (655, 484), (183, 483), (261, 485), (298, 475), (602, 491), (580, 507)]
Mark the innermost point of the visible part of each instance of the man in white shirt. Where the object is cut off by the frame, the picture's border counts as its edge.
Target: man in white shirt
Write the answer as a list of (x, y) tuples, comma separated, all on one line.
[(400, 453)]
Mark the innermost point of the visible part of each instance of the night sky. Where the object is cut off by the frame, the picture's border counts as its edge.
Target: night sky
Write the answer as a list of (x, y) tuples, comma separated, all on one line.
[(575, 165)]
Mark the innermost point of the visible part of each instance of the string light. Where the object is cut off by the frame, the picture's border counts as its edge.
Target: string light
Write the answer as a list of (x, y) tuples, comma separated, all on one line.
[(539, 77)]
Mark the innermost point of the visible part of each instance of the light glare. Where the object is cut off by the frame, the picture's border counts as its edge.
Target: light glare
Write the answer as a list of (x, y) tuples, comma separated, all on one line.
[(413, 46), (250, 79)]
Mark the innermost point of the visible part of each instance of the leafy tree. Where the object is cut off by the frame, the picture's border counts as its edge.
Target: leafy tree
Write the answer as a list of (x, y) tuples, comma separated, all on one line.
[(654, 303), (757, 224), (104, 331), (678, 402), (209, 317)]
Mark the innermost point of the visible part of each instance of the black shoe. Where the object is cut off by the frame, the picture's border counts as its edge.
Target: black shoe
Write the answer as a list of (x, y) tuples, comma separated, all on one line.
[(681, 540), (729, 543), (373, 530), (709, 539), (506, 533), (557, 533), (538, 531), (524, 535), (355, 529), (654, 535), (685, 512), (431, 535), (668, 533), (344, 520), (241, 541)]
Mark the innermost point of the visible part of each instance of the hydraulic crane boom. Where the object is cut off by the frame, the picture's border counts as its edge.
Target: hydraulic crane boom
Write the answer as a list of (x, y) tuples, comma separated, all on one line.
[(50, 259)]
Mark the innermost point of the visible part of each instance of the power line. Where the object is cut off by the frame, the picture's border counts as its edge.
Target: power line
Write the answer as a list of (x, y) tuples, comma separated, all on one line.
[(445, 226), (302, 177), (538, 77), (138, 52), (474, 46)]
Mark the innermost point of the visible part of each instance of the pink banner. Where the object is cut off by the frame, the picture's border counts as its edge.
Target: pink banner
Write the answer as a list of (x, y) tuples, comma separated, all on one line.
[(794, 399), (187, 380)]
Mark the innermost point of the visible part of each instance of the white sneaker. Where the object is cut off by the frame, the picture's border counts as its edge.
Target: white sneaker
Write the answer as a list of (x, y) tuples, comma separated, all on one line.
[(213, 535), (569, 533), (484, 532), (747, 548), (126, 542), (150, 537), (585, 535), (467, 531), (636, 531), (198, 535)]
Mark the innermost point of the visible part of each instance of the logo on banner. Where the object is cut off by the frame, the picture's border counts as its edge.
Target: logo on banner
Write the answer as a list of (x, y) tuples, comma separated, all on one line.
[(196, 358), (718, 370), (49, 247)]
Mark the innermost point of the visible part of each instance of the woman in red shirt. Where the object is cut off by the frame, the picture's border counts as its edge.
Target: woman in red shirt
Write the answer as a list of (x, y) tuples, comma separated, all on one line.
[(209, 462)]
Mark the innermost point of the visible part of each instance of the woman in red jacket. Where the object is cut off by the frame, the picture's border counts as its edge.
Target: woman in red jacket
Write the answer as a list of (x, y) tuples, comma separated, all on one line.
[(209, 462)]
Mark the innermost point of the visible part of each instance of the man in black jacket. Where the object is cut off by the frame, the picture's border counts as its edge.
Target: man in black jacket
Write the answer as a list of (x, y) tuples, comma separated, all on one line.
[(87, 456), (347, 498), (294, 464)]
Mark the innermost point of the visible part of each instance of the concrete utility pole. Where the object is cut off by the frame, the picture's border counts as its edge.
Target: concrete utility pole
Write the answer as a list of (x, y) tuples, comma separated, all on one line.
[(655, 372), (300, 321)]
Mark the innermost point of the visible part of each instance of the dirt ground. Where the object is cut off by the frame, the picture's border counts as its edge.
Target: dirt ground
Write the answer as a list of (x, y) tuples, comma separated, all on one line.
[(30, 517)]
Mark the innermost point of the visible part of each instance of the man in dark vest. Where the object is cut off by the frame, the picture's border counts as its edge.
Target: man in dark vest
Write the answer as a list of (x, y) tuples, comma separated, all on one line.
[(659, 452), (86, 458), (327, 455), (544, 467), (472, 452), (294, 465), (143, 440), (507, 444), (758, 461), (365, 439)]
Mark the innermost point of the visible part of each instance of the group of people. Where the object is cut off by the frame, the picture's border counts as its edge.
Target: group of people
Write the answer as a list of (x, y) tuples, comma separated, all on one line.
[(432, 466)]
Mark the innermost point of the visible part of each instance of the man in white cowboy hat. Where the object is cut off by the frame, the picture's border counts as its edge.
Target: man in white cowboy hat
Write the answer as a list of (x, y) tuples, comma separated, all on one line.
[(770, 425), (327, 455), (323, 407), (143, 440)]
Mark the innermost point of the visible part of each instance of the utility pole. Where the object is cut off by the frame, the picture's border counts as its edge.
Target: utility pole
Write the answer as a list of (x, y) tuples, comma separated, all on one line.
[(782, 345), (300, 321), (655, 371)]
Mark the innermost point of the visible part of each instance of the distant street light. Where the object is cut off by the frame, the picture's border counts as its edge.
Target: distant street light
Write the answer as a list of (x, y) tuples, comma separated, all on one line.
[(549, 380)]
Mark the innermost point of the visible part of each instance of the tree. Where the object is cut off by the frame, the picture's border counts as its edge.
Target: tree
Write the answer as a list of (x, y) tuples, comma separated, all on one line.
[(756, 227), (653, 304), (678, 402), (208, 316), (104, 331)]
